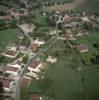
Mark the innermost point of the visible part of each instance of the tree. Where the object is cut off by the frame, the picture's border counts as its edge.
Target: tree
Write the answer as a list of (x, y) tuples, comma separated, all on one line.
[(51, 21), (1, 91), (4, 59), (60, 25), (3, 13), (96, 45), (97, 59), (25, 59)]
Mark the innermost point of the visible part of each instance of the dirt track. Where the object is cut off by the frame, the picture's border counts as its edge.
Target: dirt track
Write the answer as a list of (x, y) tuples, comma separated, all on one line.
[(67, 6)]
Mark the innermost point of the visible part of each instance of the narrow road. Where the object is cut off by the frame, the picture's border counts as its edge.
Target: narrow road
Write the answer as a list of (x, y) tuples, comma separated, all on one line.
[(22, 72), (67, 6)]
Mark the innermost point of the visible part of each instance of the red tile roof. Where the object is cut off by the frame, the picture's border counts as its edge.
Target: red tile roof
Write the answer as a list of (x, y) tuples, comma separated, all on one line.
[(5, 82), (34, 47), (81, 47), (67, 18), (9, 68), (35, 97), (25, 82), (67, 36), (34, 64), (11, 52)]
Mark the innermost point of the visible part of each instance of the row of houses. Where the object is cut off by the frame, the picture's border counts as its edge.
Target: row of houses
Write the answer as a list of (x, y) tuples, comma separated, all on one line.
[(14, 69)]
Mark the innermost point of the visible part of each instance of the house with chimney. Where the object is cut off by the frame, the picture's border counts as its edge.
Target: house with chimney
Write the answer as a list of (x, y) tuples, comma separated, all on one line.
[(81, 48), (36, 97)]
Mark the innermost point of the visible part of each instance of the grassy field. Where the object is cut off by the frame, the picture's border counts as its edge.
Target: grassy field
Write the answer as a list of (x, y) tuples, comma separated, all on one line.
[(3, 8), (65, 82), (90, 6), (7, 36), (94, 37)]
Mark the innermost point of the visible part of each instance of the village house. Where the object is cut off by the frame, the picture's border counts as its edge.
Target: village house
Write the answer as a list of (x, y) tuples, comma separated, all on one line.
[(26, 82), (39, 42), (85, 19), (14, 65), (22, 48), (32, 74), (11, 70), (81, 33), (69, 31), (35, 97), (6, 84), (69, 37), (15, 15), (51, 59), (67, 19), (11, 52), (81, 48), (35, 66), (53, 32), (35, 74), (34, 47), (69, 26), (6, 17), (23, 12)]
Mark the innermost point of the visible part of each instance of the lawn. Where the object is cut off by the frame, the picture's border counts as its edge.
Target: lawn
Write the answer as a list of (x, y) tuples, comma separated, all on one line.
[(39, 18), (8, 36)]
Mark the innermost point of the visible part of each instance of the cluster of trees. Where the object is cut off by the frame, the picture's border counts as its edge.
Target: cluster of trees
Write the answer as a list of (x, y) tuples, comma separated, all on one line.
[(90, 26), (51, 3), (95, 60), (51, 21), (4, 59), (6, 3), (4, 24), (1, 91), (25, 42), (3, 13), (96, 45), (25, 59)]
